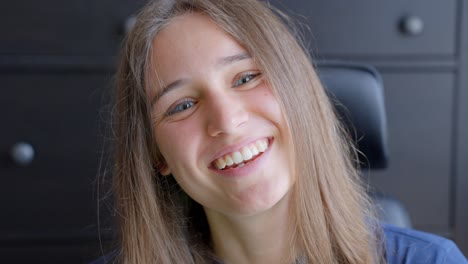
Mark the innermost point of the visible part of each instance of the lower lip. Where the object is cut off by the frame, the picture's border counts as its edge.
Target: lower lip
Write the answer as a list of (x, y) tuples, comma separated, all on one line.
[(248, 168)]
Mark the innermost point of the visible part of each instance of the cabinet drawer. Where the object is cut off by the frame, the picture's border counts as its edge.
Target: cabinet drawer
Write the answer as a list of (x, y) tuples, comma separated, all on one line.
[(57, 114), (72, 27), (50, 253), (370, 28), (419, 109)]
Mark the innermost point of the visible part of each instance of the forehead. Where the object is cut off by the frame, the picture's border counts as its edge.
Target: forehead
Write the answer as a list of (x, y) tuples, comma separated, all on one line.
[(189, 43)]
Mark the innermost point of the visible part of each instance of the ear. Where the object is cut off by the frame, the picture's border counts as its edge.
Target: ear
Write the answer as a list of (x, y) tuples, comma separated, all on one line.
[(164, 169)]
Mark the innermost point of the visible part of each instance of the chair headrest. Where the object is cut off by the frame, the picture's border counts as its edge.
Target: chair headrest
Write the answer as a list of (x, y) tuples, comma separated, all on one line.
[(357, 93)]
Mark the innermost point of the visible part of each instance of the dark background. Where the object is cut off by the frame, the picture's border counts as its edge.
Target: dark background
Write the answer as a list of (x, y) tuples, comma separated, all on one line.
[(57, 60)]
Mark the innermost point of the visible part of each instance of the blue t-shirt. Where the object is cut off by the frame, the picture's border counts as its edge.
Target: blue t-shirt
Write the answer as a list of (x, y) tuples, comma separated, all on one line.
[(404, 246)]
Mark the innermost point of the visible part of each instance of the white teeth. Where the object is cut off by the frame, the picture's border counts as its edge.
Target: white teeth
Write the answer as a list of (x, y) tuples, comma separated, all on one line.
[(237, 157), (245, 154), (228, 160), (220, 164), (254, 150), (261, 145)]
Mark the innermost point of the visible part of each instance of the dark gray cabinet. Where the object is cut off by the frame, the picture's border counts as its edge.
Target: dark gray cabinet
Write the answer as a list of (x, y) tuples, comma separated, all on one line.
[(460, 157), (57, 59), (58, 28), (420, 108), (57, 115), (377, 28), (50, 202)]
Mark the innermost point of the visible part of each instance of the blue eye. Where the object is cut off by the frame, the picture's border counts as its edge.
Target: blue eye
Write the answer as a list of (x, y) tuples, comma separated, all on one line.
[(182, 106), (245, 79)]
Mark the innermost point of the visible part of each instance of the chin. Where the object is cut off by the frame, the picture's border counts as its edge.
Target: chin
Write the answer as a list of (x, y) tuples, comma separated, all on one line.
[(258, 200)]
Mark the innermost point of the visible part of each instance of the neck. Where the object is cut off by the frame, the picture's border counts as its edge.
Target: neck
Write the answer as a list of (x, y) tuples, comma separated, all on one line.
[(259, 238)]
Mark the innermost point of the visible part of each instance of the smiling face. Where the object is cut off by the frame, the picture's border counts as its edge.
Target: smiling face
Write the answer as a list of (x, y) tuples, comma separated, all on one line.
[(217, 122)]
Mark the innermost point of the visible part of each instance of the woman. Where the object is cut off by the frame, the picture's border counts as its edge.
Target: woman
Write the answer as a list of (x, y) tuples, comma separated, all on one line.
[(228, 150)]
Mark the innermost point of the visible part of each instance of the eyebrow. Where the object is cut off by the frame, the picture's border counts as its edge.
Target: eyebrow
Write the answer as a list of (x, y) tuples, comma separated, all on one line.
[(234, 58), (222, 62)]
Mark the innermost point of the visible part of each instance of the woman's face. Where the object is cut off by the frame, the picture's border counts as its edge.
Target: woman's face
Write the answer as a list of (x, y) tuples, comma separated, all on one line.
[(217, 123)]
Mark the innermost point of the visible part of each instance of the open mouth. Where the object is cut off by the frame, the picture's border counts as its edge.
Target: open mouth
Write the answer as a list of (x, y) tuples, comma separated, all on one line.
[(243, 156)]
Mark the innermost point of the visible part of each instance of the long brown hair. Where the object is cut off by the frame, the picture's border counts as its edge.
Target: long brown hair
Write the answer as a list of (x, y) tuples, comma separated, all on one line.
[(330, 211)]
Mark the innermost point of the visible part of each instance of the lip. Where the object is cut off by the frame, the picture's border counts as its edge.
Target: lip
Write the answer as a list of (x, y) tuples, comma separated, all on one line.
[(247, 168)]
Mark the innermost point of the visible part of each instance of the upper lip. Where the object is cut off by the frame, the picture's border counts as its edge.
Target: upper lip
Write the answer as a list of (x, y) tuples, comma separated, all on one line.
[(234, 147)]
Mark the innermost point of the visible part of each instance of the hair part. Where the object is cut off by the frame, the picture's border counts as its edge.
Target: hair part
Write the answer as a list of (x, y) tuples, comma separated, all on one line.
[(330, 213)]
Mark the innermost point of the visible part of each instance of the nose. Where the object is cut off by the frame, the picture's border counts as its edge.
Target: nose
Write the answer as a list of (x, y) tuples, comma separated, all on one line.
[(226, 113)]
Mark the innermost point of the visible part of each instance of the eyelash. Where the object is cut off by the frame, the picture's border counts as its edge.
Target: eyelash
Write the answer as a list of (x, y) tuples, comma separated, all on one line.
[(188, 103), (181, 106), (250, 75)]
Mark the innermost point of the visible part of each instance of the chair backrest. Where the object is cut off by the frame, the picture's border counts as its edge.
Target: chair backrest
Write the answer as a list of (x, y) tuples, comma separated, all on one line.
[(357, 93)]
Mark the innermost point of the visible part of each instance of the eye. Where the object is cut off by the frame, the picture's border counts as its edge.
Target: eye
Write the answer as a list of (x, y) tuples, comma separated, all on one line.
[(180, 106), (245, 78)]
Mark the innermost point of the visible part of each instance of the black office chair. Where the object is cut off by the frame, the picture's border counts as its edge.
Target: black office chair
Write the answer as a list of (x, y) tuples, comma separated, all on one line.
[(357, 93)]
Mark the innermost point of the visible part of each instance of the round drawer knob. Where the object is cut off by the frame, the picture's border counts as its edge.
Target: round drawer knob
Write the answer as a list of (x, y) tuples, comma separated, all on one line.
[(22, 153), (412, 25), (128, 24)]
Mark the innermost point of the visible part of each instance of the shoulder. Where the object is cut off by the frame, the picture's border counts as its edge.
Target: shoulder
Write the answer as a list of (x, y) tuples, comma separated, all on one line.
[(411, 246)]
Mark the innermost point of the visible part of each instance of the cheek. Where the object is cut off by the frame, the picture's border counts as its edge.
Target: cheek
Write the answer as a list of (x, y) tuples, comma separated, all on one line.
[(271, 102), (271, 107), (176, 141), (267, 103)]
